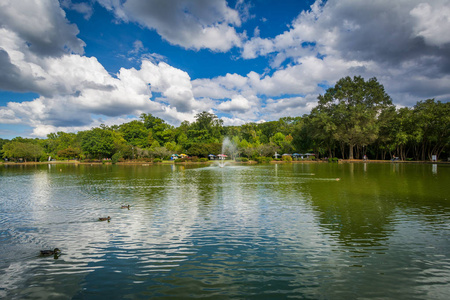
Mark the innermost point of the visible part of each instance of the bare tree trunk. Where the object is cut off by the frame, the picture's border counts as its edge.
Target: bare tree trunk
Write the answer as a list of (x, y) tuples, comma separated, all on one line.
[(350, 155), (343, 150)]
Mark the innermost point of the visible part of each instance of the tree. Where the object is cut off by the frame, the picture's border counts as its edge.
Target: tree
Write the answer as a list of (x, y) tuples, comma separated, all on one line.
[(203, 150), (319, 132), (26, 151), (267, 149), (278, 139), (160, 130), (161, 152), (183, 141), (98, 142), (432, 119), (69, 153), (353, 105), (2, 142), (206, 129), (135, 133)]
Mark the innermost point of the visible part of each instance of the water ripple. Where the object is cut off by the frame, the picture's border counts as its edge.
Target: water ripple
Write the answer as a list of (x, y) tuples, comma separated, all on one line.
[(243, 232)]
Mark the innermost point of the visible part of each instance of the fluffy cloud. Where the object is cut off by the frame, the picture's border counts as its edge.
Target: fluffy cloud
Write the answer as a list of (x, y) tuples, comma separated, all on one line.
[(190, 24), (42, 24), (82, 8), (236, 104), (293, 106), (74, 88), (433, 22), (403, 43), (82, 87)]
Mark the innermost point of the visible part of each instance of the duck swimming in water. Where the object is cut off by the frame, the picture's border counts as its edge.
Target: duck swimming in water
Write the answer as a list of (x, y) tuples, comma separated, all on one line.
[(105, 219), (55, 251), (126, 206)]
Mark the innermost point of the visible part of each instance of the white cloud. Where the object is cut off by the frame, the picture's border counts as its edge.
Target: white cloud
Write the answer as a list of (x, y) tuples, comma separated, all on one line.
[(393, 41), (7, 116), (404, 44), (233, 121), (138, 47), (74, 88), (433, 22), (79, 87), (257, 47), (289, 107), (191, 24), (236, 104), (42, 25), (82, 8)]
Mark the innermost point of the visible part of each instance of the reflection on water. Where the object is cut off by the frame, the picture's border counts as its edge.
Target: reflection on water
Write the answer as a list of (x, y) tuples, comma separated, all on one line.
[(273, 231)]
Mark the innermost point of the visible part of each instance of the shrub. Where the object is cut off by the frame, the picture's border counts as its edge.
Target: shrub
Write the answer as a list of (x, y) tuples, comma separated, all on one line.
[(115, 158), (157, 160), (203, 159), (333, 159), (242, 159), (263, 159), (286, 158), (312, 157)]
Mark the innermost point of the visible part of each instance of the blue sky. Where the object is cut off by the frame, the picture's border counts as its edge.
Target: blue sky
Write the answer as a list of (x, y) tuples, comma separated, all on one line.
[(70, 65)]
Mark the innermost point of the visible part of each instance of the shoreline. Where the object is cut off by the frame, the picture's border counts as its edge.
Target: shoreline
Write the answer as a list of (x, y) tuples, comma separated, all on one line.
[(250, 162)]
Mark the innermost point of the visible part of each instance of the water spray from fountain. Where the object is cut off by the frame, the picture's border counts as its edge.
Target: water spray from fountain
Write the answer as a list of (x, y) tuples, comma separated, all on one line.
[(228, 149)]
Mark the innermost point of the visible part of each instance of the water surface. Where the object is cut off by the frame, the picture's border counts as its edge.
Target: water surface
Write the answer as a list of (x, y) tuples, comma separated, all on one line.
[(248, 232)]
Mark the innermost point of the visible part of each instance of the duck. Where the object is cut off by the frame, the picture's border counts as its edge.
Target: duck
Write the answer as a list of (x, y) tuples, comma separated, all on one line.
[(55, 251), (126, 206), (105, 219)]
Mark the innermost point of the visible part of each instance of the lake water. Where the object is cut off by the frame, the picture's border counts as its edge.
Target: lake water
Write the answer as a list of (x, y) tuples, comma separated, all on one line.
[(246, 232)]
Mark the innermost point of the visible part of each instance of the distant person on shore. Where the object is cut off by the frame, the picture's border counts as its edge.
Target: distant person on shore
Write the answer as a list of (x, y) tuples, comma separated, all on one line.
[(365, 157)]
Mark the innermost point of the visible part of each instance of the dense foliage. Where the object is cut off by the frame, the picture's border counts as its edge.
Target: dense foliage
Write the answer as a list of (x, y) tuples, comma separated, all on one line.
[(352, 119)]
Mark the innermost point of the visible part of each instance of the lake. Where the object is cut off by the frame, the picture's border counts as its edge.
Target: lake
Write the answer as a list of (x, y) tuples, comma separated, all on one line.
[(243, 231)]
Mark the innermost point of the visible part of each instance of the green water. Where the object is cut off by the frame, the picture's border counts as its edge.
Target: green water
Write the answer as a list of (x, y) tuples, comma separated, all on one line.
[(241, 232)]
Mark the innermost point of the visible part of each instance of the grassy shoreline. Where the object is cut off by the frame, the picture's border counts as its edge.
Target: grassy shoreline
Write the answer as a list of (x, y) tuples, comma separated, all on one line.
[(166, 162)]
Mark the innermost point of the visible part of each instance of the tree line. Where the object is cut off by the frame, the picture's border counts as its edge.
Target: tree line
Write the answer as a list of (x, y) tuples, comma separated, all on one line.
[(352, 119)]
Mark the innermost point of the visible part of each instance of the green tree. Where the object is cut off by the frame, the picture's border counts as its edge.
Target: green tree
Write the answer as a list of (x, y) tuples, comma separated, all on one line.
[(278, 139), (2, 142), (183, 141), (158, 128), (69, 153), (353, 106), (98, 142), (267, 149), (135, 133), (432, 119), (203, 150), (154, 145), (27, 151), (206, 129), (161, 152)]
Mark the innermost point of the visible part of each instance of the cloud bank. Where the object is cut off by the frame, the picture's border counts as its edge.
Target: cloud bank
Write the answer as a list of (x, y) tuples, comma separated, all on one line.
[(403, 43), (190, 24)]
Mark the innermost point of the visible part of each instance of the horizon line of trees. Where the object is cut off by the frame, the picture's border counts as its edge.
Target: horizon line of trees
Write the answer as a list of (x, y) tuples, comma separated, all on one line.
[(352, 119)]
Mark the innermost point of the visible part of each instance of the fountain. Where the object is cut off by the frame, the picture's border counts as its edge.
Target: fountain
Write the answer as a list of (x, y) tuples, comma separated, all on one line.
[(222, 160), (228, 147)]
